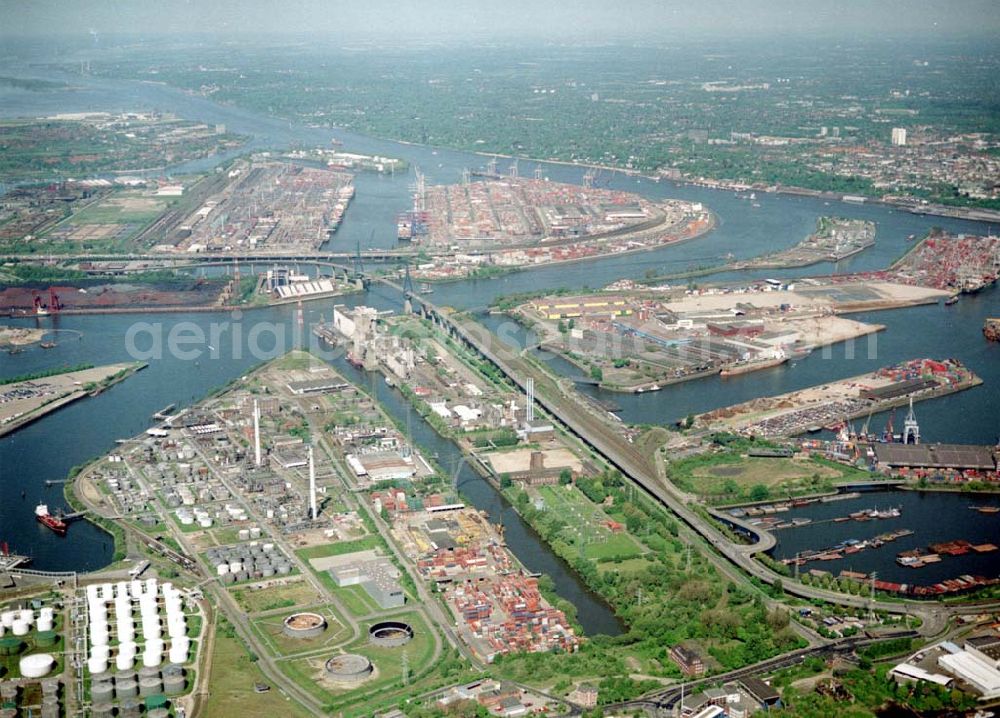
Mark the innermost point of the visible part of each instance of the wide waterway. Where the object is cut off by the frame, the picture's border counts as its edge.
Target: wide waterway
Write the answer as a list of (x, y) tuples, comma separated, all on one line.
[(48, 448)]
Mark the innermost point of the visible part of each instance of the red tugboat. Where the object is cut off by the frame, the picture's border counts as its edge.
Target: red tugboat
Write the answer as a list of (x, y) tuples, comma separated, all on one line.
[(47, 519)]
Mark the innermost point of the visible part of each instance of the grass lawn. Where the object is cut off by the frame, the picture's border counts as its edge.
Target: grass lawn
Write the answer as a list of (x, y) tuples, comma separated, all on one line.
[(231, 690), (586, 524), (354, 598), (338, 549), (628, 566)]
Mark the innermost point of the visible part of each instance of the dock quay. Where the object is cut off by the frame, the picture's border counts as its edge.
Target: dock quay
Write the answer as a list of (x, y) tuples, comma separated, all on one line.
[(10, 561), (164, 413), (834, 403)]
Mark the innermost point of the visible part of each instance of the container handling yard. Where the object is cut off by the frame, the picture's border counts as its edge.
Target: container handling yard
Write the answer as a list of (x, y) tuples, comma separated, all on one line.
[(831, 405)]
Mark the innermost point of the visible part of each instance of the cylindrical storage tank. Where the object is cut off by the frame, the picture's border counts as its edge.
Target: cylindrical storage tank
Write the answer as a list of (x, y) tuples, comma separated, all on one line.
[(155, 645), (46, 612), (129, 709), (3, 629), (99, 638), (267, 572), (126, 632), (205, 522), (173, 669), (221, 569), (136, 589), (127, 689), (36, 665), (121, 589), (235, 566), (44, 639), (150, 686), (158, 713), (148, 672), (283, 569), (50, 686), (177, 629), (151, 586), (124, 662), (102, 652), (10, 646), (179, 650), (268, 547), (255, 532), (51, 710), (174, 684), (127, 648), (129, 675), (229, 578), (102, 692), (102, 710), (20, 628), (244, 534), (7, 618), (26, 615), (93, 592), (242, 576), (44, 623), (97, 664), (151, 659)]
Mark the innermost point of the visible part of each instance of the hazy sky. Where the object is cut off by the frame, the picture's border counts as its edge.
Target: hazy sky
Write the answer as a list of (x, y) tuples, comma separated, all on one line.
[(534, 19)]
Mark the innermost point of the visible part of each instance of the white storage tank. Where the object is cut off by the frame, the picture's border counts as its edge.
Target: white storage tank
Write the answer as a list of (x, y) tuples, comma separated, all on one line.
[(179, 650), (20, 628), (36, 665), (151, 658), (44, 623), (26, 615), (124, 662), (127, 648), (7, 618), (103, 652), (97, 664)]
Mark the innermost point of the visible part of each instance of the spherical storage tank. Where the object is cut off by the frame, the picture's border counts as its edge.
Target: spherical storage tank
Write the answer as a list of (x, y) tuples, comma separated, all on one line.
[(36, 665)]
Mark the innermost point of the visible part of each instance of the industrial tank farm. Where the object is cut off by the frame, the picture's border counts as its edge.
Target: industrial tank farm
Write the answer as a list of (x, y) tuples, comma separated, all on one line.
[(132, 657)]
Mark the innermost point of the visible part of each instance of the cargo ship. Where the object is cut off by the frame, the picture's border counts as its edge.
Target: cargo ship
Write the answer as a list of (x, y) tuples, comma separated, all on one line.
[(991, 330), (46, 519)]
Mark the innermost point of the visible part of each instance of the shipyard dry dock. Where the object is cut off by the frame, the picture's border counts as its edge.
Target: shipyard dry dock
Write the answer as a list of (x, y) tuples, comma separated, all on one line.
[(827, 405)]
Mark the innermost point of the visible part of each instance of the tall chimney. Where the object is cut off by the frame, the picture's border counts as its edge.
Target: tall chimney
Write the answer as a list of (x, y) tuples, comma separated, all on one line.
[(256, 431), (312, 486)]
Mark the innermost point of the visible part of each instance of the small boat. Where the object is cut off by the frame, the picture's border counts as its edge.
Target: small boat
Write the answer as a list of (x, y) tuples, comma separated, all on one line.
[(46, 519), (986, 509), (389, 382), (48, 345), (953, 299)]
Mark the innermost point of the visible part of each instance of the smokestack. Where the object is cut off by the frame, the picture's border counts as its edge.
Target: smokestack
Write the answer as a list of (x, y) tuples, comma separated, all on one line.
[(256, 431), (529, 411), (312, 486)]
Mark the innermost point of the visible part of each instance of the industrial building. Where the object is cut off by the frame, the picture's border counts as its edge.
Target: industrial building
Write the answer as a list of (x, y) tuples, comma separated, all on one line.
[(378, 577)]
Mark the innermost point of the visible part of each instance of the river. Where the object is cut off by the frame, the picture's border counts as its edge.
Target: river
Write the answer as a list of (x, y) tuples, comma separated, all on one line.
[(48, 448)]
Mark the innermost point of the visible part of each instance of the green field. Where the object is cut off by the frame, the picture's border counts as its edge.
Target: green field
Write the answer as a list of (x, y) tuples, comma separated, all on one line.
[(270, 629), (231, 686), (297, 593), (729, 476)]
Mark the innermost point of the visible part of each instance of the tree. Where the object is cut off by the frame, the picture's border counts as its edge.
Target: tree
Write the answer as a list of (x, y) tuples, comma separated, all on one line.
[(759, 492), (505, 481), (596, 373), (565, 476)]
